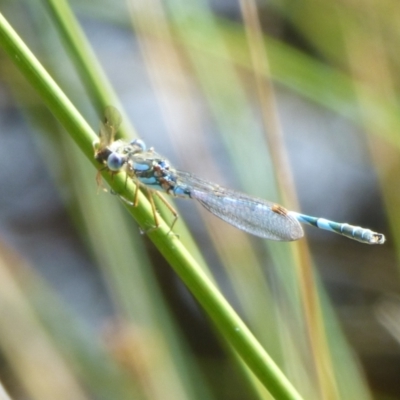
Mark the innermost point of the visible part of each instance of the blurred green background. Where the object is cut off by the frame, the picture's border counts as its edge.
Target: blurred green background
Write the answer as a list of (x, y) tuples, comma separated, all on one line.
[(292, 101)]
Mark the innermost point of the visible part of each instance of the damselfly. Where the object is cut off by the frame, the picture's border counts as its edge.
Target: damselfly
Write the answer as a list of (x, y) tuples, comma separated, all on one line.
[(259, 217)]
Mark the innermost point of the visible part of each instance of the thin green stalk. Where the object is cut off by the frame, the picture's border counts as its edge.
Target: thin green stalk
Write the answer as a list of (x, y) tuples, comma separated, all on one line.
[(228, 322), (92, 76), (94, 79)]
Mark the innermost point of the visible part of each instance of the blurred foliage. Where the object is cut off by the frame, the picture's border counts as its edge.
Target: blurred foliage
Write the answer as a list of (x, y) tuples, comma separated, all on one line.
[(201, 62)]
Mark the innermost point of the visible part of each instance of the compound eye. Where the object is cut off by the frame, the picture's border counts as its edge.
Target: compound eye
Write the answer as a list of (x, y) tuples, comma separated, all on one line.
[(115, 162), (139, 144)]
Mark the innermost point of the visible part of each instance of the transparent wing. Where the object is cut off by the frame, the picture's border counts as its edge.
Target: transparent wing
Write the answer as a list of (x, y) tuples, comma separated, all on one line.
[(250, 214), (109, 126)]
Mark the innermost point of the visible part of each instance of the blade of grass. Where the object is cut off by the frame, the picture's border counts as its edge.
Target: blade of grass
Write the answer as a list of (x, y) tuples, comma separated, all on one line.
[(92, 76), (94, 79), (31, 360), (120, 252), (273, 130), (224, 317), (221, 84)]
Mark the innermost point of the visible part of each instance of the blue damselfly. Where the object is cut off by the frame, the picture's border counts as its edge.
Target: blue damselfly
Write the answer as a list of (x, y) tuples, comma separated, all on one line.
[(259, 217)]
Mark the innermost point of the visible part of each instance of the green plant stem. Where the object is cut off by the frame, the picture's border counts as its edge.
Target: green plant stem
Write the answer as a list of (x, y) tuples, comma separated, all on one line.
[(90, 72), (228, 322)]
